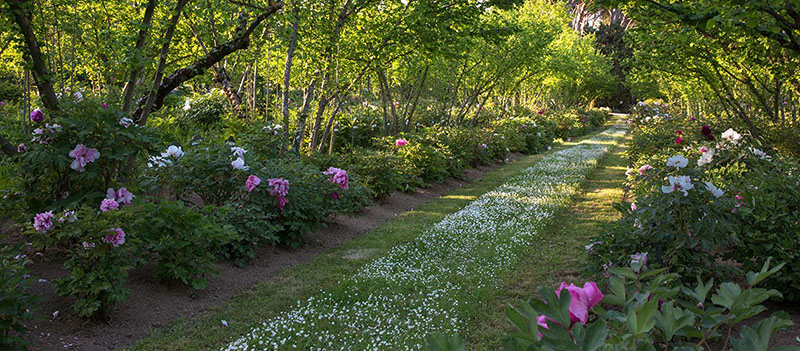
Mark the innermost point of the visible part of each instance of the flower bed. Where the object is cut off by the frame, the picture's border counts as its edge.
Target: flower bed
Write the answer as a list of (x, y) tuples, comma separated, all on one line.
[(428, 284)]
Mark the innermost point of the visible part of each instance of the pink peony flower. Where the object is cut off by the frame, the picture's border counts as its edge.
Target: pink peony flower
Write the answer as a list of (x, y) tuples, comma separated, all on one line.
[(338, 176), (116, 237), (678, 132), (21, 148), (87, 245), (43, 222), (108, 205), (400, 142), (121, 196), (105, 105), (37, 115), (678, 140), (282, 201), (82, 155), (643, 169), (703, 149), (252, 182), (634, 207), (280, 186), (582, 300)]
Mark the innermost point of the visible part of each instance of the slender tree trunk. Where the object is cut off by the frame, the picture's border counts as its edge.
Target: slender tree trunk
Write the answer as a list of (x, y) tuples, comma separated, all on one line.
[(22, 15), (136, 67), (287, 71), (141, 119)]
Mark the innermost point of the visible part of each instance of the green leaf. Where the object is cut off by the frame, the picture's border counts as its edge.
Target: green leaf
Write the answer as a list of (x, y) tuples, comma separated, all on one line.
[(442, 342)]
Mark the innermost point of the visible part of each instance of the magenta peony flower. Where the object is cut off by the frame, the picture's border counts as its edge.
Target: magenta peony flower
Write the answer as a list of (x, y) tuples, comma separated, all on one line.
[(108, 205), (43, 222), (400, 142), (678, 132), (121, 196), (693, 119), (581, 300), (678, 140), (2, 103), (338, 176), (37, 115), (541, 112), (335, 196), (82, 155), (252, 182), (105, 105), (633, 206), (116, 237), (280, 186), (282, 201)]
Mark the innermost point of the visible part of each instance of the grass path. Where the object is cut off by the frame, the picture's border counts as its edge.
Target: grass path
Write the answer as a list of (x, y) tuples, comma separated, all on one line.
[(277, 296), (558, 253)]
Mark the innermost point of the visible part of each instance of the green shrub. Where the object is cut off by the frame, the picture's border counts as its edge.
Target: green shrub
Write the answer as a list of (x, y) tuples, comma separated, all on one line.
[(205, 110), (46, 177), (382, 172), (16, 304), (183, 239)]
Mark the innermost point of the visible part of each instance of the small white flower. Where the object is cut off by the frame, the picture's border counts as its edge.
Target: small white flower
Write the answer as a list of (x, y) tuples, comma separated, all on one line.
[(714, 190), (238, 163), (677, 161), (187, 105)]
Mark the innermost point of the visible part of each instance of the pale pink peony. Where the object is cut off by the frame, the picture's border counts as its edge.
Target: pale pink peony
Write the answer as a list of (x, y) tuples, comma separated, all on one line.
[(43, 222), (87, 245), (542, 322), (108, 205), (116, 237), (122, 196), (82, 155), (252, 182), (643, 169)]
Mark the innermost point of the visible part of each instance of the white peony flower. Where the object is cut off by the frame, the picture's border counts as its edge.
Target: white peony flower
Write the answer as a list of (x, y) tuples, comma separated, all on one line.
[(706, 158), (238, 163), (679, 183), (677, 161), (732, 136), (238, 152), (125, 122), (173, 151), (761, 154), (714, 190)]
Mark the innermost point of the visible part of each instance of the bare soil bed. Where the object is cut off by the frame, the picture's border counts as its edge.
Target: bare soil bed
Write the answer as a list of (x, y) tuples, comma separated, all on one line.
[(152, 304)]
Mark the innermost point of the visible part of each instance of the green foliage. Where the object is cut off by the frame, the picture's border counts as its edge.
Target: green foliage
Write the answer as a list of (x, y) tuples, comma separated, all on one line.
[(205, 110), (183, 240), (16, 303), (97, 269), (382, 172), (47, 180), (647, 310)]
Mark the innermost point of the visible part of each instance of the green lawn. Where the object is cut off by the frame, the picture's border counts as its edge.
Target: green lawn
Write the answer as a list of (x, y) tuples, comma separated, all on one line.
[(559, 252)]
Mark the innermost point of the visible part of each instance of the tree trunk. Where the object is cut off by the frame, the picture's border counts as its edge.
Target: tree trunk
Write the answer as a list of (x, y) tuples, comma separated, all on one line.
[(239, 41), (287, 73), (136, 67), (41, 75), (141, 117)]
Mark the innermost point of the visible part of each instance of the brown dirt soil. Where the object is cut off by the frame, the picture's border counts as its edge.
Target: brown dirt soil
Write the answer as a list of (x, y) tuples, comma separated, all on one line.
[(153, 304)]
